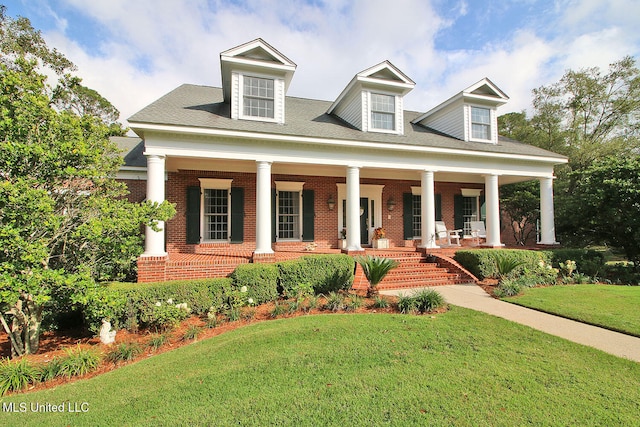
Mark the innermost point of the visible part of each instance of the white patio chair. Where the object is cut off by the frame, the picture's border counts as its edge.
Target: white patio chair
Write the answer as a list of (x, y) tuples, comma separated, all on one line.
[(452, 236), (478, 231)]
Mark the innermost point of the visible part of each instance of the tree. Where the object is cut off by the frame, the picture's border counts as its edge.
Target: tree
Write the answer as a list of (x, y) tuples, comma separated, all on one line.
[(587, 115), (606, 204), (64, 219), (520, 203)]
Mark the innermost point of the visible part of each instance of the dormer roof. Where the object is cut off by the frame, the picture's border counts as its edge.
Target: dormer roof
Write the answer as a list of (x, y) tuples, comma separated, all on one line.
[(383, 76), (483, 92), (254, 56)]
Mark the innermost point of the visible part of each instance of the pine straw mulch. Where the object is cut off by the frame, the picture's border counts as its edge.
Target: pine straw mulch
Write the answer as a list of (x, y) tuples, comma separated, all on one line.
[(53, 344)]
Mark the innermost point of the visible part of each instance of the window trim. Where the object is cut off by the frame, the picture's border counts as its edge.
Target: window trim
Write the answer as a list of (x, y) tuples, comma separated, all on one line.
[(289, 186), (490, 125), (241, 97), (370, 111), (214, 184)]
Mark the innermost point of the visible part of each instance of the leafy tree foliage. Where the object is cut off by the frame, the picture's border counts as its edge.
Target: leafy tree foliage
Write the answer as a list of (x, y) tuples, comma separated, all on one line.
[(587, 115), (64, 219), (606, 204)]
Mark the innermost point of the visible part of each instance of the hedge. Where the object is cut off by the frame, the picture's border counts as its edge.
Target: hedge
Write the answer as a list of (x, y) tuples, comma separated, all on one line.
[(126, 304), (325, 273), (261, 281), (588, 261), (482, 264)]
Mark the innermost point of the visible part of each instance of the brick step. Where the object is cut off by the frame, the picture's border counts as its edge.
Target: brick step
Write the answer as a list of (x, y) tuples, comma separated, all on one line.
[(420, 277), (418, 272), (416, 284)]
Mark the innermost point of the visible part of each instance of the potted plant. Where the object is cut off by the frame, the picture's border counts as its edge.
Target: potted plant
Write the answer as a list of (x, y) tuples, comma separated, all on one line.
[(342, 241), (380, 240)]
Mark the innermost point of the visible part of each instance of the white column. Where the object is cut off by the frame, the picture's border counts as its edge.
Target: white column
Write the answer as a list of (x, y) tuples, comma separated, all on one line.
[(547, 218), (428, 210), (154, 240), (353, 209), (493, 210), (263, 208)]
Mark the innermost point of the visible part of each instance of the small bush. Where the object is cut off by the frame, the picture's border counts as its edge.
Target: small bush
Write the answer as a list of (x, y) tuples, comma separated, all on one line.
[(49, 370), (355, 302), (124, 352), (163, 315), (407, 304), (428, 300), (157, 341), (375, 269), (278, 310), (325, 274), (261, 281), (311, 303), (507, 288), (16, 375), (380, 302), (191, 334), (335, 302), (588, 261), (77, 362)]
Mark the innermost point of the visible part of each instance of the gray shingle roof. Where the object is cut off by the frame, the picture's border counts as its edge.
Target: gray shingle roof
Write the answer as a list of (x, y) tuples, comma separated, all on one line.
[(131, 149), (203, 107)]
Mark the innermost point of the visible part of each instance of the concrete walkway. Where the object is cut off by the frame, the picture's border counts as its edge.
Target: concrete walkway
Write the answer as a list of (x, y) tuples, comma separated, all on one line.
[(474, 297)]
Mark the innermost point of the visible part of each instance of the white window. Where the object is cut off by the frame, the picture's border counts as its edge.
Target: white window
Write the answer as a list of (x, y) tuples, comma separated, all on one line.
[(259, 98), (383, 111), (480, 123), (216, 209), (289, 210)]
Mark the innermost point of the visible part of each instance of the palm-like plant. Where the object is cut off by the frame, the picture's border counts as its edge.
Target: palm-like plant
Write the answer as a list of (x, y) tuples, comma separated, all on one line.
[(505, 265), (375, 269)]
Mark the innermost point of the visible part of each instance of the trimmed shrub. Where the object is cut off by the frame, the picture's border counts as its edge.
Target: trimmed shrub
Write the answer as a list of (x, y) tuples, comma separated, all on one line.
[(482, 264), (261, 281), (135, 303), (325, 273)]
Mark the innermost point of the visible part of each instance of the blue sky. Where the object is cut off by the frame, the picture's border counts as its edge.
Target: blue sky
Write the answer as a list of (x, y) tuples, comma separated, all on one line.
[(134, 51)]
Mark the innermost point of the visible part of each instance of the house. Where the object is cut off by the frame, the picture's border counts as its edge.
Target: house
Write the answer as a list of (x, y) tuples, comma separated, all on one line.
[(254, 171)]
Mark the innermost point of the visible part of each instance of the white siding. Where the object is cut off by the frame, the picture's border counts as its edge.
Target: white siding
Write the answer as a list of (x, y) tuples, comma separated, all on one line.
[(449, 120), (399, 115), (235, 96), (350, 109), (279, 100)]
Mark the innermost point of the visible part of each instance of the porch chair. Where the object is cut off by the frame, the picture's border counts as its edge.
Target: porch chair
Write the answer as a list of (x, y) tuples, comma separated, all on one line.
[(478, 231), (451, 235)]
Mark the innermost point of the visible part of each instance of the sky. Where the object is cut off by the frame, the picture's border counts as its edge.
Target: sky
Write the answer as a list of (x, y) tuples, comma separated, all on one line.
[(134, 51)]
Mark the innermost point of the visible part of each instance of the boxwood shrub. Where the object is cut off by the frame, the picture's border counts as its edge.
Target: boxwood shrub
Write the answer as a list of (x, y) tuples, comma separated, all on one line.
[(325, 273), (482, 264), (261, 281)]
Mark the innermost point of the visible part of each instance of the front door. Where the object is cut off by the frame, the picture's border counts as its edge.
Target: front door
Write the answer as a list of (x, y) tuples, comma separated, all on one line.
[(364, 221)]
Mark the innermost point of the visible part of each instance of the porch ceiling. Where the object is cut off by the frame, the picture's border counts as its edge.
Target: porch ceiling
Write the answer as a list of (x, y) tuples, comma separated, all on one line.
[(175, 164)]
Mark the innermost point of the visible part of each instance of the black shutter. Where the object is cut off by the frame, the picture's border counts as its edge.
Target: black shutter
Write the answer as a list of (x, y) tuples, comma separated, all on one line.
[(193, 215), (483, 208), (407, 215), (458, 212), (308, 216), (237, 214), (274, 215), (438, 207)]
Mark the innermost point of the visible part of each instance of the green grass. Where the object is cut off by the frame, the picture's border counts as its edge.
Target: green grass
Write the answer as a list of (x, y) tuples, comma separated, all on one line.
[(460, 368), (610, 306)]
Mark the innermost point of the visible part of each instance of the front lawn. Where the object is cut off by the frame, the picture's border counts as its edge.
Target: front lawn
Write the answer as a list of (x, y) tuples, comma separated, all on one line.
[(610, 306), (457, 368)]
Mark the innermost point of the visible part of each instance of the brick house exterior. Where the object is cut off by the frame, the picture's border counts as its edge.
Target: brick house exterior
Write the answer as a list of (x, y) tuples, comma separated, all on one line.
[(253, 171)]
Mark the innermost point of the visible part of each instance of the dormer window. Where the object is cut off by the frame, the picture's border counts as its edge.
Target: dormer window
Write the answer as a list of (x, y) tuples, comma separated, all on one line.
[(480, 123), (383, 111), (258, 97)]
